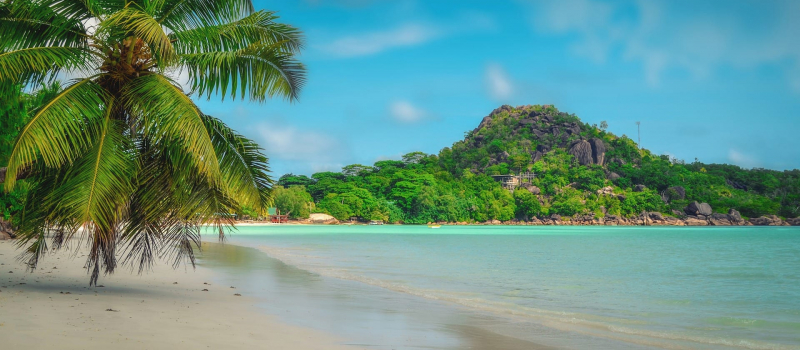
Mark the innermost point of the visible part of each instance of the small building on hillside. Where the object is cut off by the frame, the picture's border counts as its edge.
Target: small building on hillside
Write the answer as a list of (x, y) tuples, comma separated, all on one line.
[(510, 182)]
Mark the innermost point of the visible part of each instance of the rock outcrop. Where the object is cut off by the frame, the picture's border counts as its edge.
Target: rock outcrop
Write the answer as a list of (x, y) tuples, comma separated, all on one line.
[(607, 191), (325, 219), (532, 189), (582, 150), (695, 221), (674, 193), (718, 219), (588, 152), (6, 230), (695, 208), (735, 217), (598, 151), (767, 220)]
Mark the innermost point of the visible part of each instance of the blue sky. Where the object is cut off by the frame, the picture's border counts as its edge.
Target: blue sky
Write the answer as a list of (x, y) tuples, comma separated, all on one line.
[(713, 80)]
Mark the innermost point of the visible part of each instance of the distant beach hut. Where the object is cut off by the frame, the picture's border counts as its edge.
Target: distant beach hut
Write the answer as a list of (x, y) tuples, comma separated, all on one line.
[(276, 217)]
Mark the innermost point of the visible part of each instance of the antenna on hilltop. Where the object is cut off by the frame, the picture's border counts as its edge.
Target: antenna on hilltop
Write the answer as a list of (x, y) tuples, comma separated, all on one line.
[(639, 134)]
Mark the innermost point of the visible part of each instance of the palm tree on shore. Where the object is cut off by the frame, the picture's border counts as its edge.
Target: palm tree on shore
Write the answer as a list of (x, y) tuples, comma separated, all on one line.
[(121, 158)]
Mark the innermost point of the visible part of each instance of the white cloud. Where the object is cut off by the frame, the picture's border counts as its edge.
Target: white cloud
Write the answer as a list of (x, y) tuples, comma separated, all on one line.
[(661, 36), (741, 159), (498, 83), (405, 35), (291, 143), (375, 42), (404, 111)]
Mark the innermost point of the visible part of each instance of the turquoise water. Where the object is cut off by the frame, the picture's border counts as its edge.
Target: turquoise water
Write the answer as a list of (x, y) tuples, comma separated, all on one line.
[(702, 288)]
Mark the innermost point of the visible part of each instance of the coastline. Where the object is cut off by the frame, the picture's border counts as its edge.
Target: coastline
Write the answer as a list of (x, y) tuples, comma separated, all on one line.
[(54, 308), (644, 219)]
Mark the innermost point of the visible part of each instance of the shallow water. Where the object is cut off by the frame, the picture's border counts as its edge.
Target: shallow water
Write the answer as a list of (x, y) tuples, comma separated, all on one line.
[(566, 287)]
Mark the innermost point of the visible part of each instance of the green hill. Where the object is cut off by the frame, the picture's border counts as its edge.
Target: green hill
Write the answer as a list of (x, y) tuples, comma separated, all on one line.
[(579, 170)]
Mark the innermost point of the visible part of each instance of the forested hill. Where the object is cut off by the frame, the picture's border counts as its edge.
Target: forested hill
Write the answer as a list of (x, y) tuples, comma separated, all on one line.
[(579, 170)]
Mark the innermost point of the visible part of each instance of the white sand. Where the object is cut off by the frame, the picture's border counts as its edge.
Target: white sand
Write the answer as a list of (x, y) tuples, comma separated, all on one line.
[(150, 311)]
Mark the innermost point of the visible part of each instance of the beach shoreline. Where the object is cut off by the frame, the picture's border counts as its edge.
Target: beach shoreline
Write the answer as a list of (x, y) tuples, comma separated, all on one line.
[(164, 309), (645, 219)]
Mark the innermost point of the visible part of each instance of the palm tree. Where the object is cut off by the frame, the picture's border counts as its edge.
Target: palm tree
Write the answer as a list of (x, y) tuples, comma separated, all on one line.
[(122, 159)]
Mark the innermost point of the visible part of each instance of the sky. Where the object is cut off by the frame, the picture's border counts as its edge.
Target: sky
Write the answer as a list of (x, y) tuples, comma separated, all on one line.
[(714, 80)]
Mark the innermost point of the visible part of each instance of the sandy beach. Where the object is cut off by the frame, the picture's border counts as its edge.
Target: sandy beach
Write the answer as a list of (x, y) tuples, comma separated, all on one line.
[(54, 308)]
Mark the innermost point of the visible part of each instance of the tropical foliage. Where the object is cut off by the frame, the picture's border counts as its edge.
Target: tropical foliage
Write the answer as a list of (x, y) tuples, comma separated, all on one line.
[(456, 185), (120, 155)]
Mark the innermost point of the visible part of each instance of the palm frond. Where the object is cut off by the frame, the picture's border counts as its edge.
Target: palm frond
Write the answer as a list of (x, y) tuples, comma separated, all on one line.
[(169, 117), (80, 9), (258, 27), (151, 206), (99, 184), (59, 131), (92, 193), (28, 24), (258, 71), (180, 15), (244, 168), (102, 252), (41, 62), (183, 237)]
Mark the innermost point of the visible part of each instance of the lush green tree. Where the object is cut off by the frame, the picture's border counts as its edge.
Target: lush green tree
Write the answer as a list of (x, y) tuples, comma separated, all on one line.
[(568, 201), (528, 205), (355, 169), (335, 206), (294, 201), (289, 180), (121, 150), (414, 157)]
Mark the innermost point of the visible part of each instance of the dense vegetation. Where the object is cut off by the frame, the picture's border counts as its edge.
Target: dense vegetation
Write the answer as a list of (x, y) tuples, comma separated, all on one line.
[(456, 185), (14, 116)]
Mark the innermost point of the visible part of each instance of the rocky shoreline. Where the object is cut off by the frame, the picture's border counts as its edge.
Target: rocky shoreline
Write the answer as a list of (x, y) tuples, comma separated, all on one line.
[(695, 214), (646, 219)]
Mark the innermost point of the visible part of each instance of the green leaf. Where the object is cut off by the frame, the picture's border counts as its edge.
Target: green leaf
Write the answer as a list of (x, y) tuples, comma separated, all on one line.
[(59, 131)]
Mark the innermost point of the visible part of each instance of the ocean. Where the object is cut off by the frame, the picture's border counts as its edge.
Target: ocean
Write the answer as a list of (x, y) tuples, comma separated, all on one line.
[(557, 287)]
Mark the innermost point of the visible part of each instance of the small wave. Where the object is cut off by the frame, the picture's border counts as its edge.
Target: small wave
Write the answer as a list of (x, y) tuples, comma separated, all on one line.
[(563, 320)]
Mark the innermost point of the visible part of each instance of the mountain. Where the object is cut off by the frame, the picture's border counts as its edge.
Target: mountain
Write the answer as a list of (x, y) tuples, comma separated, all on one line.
[(553, 166), (516, 139)]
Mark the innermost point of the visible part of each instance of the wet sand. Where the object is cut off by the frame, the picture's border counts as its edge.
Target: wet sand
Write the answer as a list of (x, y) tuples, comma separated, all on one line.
[(54, 308), (281, 307), (372, 317)]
